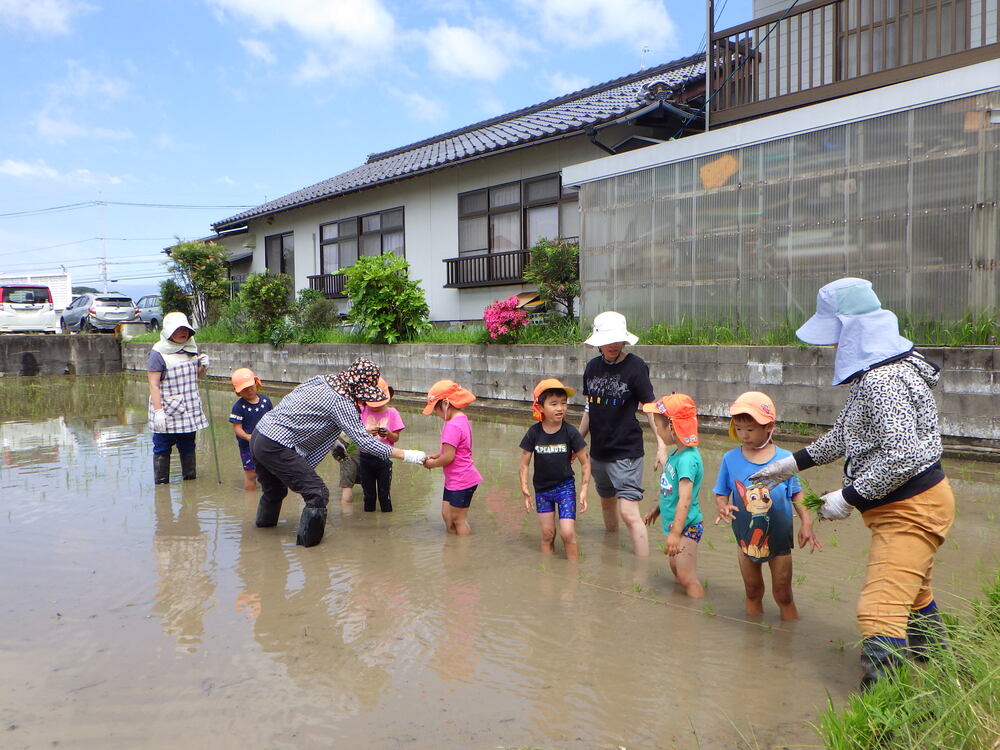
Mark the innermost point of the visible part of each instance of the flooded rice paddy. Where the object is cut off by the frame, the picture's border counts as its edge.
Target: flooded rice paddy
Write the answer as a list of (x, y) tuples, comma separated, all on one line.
[(151, 616)]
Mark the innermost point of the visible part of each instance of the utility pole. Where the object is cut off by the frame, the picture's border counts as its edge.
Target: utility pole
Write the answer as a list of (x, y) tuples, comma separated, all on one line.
[(709, 31), (642, 56), (104, 244)]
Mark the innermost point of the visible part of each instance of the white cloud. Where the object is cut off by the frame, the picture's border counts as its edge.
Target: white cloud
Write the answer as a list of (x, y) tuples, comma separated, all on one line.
[(491, 106), (584, 23), (484, 51), (165, 141), (39, 170), (258, 50), (61, 128), (81, 83), (226, 180), (80, 89), (418, 106), (561, 83), (45, 16)]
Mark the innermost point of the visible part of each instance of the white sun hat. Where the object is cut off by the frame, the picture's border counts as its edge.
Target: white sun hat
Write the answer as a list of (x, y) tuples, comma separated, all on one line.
[(609, 328)]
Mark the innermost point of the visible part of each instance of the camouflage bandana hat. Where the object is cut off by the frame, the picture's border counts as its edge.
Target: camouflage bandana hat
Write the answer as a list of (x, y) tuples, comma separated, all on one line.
[(359, 382)]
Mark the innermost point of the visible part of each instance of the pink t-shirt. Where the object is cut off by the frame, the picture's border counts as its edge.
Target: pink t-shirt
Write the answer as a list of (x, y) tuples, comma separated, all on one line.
[(461, 473), (389, 419)]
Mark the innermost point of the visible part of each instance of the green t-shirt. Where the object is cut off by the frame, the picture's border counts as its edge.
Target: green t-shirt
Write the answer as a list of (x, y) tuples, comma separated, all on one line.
[(681, 464)]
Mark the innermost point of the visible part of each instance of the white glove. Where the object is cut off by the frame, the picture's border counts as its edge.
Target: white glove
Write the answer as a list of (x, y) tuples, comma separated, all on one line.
[(835, 507), (202, 360), (775, 473), (159, 421), (414, 457)]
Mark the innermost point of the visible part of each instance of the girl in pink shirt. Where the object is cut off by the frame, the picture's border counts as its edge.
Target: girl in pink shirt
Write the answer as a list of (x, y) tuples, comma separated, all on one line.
[(446, 399)]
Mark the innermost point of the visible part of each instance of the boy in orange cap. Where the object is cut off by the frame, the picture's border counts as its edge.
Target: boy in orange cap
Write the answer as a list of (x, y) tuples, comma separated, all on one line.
[(676, 422), (555, 444), (446, 399), (761, 517), (245, 415)]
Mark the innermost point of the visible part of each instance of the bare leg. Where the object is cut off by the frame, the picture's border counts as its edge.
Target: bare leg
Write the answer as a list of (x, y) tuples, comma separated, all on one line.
[(781, 586), (609, 509), (547, 523), (567, 532), (459, 522), (249, 480), (684, 566), (449, 524), (629, 510), (753, 584), (346, 495)]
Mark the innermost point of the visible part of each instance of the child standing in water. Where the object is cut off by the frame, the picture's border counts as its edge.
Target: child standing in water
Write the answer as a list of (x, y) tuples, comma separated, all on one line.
[(381, 421), (446, 399), (555, 444), (676, 422), (761, 517), (245, 415)]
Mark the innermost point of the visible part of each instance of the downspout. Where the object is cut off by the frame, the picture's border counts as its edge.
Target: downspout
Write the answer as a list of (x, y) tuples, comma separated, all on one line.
[(592, 134)]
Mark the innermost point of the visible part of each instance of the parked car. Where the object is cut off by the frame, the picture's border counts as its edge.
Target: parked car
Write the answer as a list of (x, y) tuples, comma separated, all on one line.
[(150, 312), (27, 308), (98, 312)]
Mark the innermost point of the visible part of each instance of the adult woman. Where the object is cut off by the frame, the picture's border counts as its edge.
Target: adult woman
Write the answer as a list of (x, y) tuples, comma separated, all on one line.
[(291, 440), (888, 434), (615, 384)]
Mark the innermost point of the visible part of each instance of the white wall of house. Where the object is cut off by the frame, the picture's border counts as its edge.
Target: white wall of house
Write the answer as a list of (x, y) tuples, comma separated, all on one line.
[(430, 216)]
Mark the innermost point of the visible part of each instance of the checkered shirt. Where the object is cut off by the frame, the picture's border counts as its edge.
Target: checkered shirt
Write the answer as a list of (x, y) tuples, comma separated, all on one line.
[(181, 399), (311, 418)]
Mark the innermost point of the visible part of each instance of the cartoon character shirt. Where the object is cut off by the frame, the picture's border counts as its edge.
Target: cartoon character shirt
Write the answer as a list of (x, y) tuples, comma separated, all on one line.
[(763, 522)]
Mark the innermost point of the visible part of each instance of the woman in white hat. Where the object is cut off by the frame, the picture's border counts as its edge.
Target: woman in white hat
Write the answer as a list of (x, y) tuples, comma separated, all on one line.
[(616, 383), (888, 434)]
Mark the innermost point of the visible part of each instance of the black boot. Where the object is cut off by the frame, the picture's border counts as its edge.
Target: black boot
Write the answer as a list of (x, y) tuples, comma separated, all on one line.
[(268, 512), (188, 465), (926, 633), (161, 468), (879, 657), (311, 526)]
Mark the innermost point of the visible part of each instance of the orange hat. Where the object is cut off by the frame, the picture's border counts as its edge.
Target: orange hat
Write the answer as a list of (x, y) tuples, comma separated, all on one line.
[(384, 387), (545, 385), (680, 408), (244, 377), (758, 405), (457, 396)]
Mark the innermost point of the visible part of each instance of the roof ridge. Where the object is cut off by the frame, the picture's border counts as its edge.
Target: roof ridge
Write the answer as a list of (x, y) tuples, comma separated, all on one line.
[(579, 94)]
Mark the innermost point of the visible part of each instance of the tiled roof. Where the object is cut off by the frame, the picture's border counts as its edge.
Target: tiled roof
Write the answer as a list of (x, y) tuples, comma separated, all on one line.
[(573, 112)]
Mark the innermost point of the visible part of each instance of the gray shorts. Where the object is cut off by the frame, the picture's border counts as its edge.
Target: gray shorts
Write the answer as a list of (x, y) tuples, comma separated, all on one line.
[(621, 478)]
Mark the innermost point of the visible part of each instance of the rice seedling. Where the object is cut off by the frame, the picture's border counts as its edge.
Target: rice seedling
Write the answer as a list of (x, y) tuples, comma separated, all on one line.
[(637, 588), (834, 594), (799, 579), (707, 609)]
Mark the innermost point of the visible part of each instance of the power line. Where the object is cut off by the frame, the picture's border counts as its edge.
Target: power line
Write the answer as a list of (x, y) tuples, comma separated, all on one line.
[(88, 239), (93, 204)]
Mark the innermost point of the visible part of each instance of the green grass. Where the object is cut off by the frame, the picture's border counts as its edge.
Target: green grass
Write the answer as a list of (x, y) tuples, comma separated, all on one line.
[(949, 703)]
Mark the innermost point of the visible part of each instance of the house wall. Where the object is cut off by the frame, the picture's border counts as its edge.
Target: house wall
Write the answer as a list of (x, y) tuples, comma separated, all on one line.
[(430, 204)]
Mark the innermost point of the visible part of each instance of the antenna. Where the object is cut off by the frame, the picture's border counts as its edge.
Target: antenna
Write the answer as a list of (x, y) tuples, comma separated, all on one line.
[(642, 56)]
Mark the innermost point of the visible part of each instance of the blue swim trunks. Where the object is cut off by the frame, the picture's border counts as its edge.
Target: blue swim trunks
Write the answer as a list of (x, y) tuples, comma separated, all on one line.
[(247, 458), (694, 531), (562, 497)]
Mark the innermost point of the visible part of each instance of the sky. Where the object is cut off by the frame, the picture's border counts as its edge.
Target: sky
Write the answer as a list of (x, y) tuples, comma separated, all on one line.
[(127, 125)]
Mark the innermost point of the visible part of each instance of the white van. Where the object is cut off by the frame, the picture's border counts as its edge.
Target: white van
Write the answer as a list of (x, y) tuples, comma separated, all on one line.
[(27, 308)]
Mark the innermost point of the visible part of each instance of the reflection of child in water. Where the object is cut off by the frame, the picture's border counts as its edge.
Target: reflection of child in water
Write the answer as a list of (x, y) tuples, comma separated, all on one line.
[(761, 518)]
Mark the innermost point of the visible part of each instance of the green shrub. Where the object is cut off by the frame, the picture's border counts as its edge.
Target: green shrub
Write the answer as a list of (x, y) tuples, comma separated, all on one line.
[(265, 300), (387, 306), (173, 298), (555, 268)]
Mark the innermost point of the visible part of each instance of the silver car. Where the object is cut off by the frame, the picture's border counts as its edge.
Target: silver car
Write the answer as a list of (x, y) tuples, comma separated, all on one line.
[(98, 312), (150, 312)]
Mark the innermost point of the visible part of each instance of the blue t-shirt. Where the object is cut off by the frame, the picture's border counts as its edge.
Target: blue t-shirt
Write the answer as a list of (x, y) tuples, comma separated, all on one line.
[(763, 522), (683, 463), (247, 415)]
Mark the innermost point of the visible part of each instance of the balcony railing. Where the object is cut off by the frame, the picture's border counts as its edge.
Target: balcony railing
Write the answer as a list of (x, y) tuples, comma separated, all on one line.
[(331, 284), (487, 269), (235, 282), (827, 48)]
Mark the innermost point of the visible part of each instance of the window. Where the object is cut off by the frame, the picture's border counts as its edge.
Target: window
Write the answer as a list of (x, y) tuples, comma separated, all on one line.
[(342, 242), (279, 253), (516, 215)]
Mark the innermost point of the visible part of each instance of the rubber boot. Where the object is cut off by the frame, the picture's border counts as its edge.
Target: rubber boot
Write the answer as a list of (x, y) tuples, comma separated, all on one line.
[(880, 656), (268, 512), (926, 632), (312, 524), (189, 465), (161, 468)]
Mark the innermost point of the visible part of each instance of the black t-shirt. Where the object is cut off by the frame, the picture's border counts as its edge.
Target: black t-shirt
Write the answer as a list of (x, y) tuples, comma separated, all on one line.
[(614, 393), (553, 454)]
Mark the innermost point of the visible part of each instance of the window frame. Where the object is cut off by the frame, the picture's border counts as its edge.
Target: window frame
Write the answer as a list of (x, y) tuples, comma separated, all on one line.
[(359, 235), (281, 251)]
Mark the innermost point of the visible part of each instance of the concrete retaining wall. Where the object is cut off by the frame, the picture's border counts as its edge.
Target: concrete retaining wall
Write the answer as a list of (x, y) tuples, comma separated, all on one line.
[(71, 354), (798, 379)]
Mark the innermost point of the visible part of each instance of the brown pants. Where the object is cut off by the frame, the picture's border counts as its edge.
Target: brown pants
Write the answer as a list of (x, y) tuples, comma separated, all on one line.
[(905, 536)]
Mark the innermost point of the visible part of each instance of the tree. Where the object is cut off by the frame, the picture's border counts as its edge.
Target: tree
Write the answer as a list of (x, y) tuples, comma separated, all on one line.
[(173, 299), (555, 268), (387, 306), (264, 298), (201, 268), (84, 290)]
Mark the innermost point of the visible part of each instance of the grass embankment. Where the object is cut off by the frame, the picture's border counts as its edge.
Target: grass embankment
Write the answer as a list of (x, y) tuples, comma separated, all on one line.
[(950, 703), (981, 330)]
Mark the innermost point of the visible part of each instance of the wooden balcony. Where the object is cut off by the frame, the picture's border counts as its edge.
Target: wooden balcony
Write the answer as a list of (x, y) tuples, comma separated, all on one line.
[(487, 269), (331, 284), (823, 49)]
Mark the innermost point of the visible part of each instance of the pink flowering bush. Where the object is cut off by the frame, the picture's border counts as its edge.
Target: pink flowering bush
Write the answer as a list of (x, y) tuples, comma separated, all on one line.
[(503, 320)]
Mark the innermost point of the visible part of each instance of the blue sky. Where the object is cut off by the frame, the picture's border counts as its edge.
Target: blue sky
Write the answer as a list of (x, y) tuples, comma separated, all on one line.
[(228, 103)]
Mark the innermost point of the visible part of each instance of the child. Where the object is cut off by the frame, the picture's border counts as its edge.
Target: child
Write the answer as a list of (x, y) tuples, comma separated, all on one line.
[(347, 457), (555, 444), (383, 422), (676, 422), (761, 518), (446, 399), (245, 415)]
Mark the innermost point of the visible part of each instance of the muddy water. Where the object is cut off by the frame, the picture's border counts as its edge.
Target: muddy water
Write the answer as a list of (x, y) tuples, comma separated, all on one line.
[(155, 617)]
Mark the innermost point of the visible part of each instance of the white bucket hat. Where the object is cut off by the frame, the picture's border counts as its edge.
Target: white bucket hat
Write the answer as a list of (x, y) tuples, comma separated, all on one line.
[(609, 328)]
